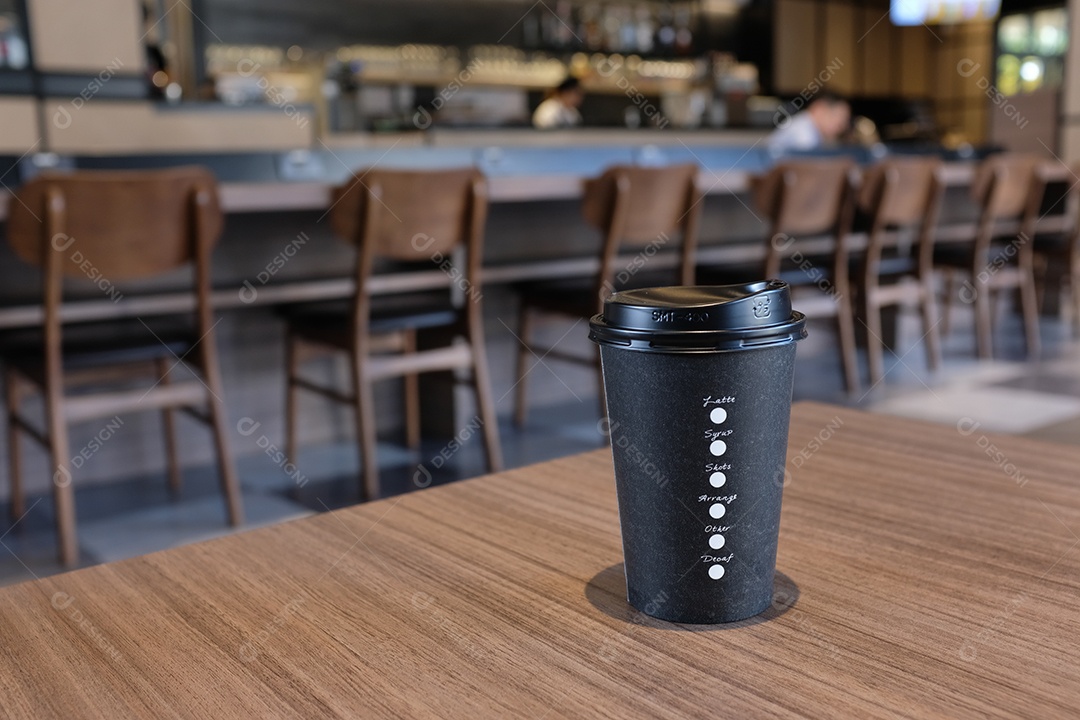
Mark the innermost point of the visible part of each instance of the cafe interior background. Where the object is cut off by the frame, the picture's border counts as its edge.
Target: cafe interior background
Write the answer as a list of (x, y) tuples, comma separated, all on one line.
[(283, 101)]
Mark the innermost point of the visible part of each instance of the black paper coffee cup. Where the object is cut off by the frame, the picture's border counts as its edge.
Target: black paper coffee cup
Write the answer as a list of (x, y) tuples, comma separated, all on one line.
[(698, 383)]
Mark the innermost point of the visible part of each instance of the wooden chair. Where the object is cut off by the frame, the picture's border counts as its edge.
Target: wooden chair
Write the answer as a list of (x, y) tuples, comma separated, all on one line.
[(1057, 253), (638, 208), (811, 198), (425, 217), (124, 225), (1005, 189), (900, 194)]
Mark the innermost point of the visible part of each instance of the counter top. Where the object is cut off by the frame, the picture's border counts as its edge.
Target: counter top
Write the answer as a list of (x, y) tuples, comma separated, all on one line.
[(910, 584), (584, 137), (510, 185), (302, 180)]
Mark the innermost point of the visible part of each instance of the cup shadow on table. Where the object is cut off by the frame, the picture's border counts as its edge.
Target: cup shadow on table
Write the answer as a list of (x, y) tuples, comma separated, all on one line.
[(607, 593)]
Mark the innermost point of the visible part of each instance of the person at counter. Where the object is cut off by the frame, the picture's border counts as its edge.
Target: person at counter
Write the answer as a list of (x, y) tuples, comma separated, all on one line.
[(824, 120), (561, 109)]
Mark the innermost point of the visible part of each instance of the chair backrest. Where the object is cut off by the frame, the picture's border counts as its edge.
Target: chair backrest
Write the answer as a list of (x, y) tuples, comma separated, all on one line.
[(126, 224), (409, 215), (643, 207), (900, 191), (1054, 197), (412, 216), (1072, 211), (656, 200), (1003, 184), (804, 197)]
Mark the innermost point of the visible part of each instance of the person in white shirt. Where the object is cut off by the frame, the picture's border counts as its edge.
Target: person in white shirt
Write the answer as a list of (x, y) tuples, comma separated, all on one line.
[(561, 109), (825, 119)]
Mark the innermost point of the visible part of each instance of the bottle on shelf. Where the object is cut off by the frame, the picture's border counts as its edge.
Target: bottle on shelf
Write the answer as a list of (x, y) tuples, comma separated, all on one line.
[(592, 32), (665, 31), (684, 36), (644, 29), (612, 30), (549, 32), (564, 23), (531, 30), (14, 52), (627, 28)]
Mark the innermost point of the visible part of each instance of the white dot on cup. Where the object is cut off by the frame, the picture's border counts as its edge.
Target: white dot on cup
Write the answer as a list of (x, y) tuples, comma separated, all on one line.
[(718, 415), (718, 448), (717, 479), (716, 542), (718, 510), (716, 572)]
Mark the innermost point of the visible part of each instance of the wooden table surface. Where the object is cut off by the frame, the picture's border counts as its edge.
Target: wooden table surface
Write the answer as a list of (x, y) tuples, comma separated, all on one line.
[(925, 571)]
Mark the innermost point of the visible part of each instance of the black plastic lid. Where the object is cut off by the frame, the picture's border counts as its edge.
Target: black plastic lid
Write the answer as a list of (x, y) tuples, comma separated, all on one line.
[(700, 318)]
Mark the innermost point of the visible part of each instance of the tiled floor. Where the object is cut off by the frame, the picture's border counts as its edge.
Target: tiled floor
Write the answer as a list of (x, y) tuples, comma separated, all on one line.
[(135, 516)]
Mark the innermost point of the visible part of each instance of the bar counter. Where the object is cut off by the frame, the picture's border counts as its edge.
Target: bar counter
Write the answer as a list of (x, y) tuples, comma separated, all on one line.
[(277, 200), (522, 165)]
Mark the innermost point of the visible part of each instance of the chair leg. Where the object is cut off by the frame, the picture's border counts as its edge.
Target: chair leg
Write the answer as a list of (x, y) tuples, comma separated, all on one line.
[(930, 326), (292, 395), (13, 393), (984, 323), (230, 485), (364, 407), (875, 352), (168, 423), (947, 298), (525, 320), (1074, 292), (63, 489), (1030, 306), (412, 398), (485, 403), (845, 318), (1042, 271)]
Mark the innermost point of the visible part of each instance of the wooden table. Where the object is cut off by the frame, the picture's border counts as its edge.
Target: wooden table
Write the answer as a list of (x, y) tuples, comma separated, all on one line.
[(921, 576)]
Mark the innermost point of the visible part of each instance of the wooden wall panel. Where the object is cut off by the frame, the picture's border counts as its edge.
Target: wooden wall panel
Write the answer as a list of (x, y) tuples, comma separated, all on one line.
[(87, 36), (839, 44), (913, 48), (19, 119), (974, 122), (877, 46), (131, 128), (795, 45), (879, 59), (949, 84)]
